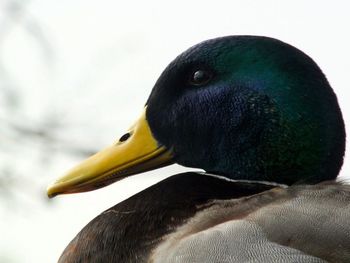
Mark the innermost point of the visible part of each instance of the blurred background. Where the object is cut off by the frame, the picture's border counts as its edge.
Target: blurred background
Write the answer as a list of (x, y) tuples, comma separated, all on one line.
[(75, 74)]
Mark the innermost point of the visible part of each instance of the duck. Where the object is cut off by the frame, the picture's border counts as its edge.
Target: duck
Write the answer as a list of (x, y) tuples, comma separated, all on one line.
[(263, 124)]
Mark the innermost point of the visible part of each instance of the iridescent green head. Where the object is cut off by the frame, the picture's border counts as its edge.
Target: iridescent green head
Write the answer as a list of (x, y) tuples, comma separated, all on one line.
[(244, 107), (249, 107)]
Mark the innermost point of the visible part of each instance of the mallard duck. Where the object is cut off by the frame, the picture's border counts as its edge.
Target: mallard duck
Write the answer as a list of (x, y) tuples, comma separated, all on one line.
[(260, 118)]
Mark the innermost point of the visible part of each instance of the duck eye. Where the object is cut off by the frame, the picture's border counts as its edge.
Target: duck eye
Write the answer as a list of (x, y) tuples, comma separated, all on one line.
[(200, 77)]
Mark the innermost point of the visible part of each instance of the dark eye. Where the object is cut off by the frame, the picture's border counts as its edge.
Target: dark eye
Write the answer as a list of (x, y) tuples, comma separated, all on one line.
[(200, 77)]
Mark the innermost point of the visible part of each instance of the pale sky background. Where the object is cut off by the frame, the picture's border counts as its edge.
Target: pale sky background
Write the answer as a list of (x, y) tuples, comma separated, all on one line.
[(81, 71)]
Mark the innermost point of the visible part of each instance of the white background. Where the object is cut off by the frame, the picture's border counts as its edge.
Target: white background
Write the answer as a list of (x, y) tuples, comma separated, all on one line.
[(90, 65)]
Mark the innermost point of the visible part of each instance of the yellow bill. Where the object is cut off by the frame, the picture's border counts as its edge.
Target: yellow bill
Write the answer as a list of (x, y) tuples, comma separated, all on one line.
[(136, 152)]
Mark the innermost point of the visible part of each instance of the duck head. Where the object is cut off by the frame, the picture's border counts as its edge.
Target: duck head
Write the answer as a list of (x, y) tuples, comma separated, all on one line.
[(245, 107)]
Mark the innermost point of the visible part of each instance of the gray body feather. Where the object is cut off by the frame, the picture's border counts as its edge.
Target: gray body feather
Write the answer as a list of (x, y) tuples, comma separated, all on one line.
[(295, 224)]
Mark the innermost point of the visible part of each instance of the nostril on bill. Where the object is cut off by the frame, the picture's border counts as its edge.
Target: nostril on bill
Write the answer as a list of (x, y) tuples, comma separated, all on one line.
[(125, 137)]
